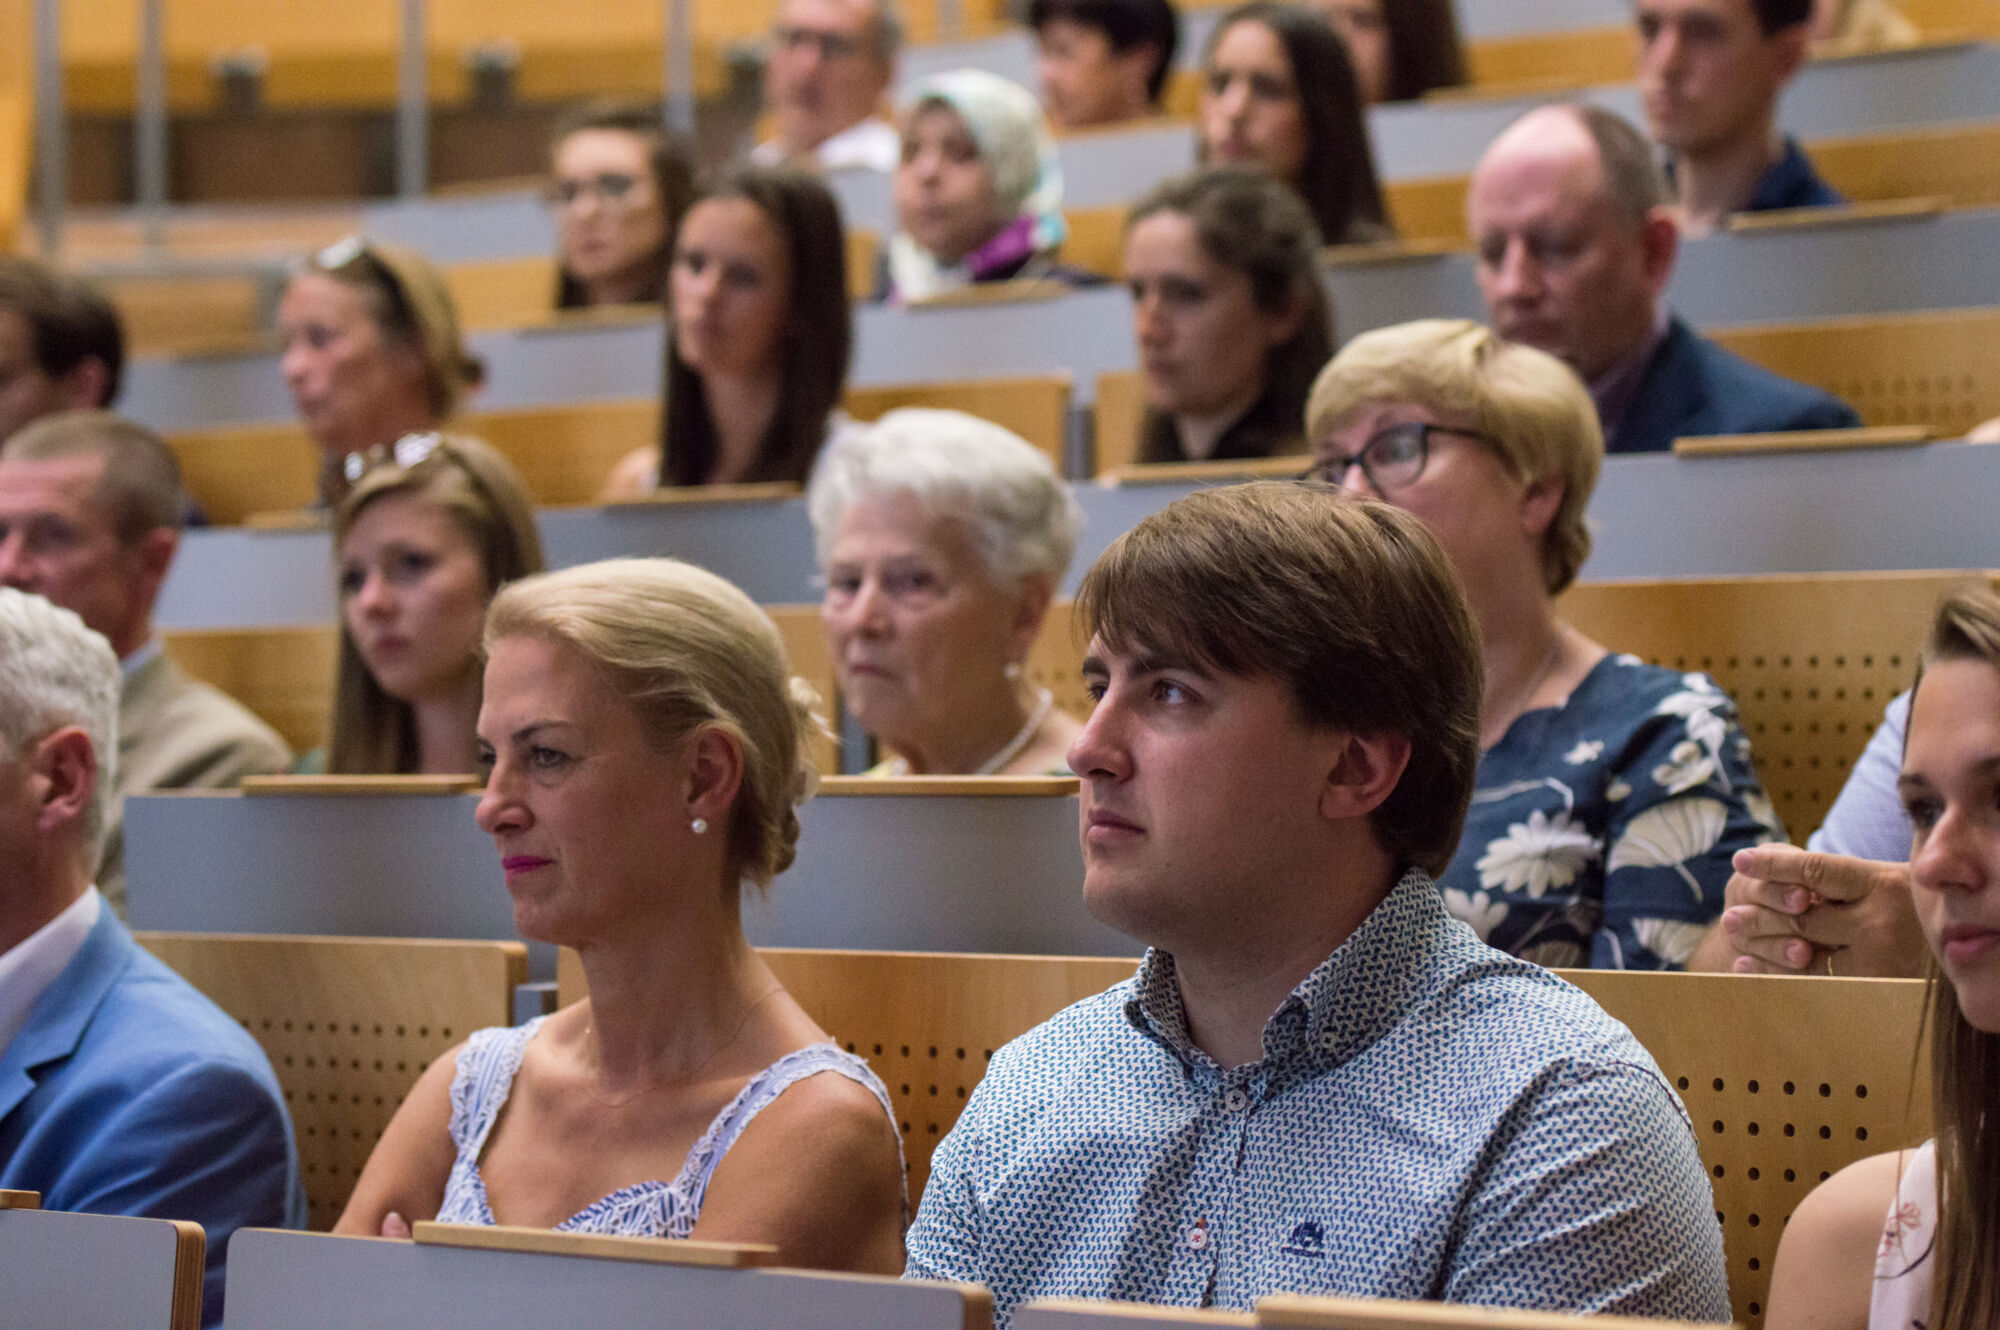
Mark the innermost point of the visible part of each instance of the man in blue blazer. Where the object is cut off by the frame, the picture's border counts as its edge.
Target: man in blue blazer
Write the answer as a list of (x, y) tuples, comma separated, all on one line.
[(1569, 214), (122, 1090)]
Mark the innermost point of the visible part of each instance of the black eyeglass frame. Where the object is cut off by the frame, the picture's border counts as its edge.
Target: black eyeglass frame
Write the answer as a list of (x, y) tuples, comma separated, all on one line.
[(1331, 470)]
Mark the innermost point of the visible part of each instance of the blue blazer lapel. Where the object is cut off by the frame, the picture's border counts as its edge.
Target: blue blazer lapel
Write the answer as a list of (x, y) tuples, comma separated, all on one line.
[(1671, 394), (60, 1016)]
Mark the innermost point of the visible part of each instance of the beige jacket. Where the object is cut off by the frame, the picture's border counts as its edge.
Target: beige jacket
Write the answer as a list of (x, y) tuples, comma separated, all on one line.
[(177, 734)]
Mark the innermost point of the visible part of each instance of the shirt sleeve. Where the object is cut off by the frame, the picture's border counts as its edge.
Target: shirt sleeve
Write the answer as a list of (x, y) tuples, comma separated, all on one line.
[(207, 1142), (1594, 1200), (1686, 800), (1867, 821), (943, 1241)]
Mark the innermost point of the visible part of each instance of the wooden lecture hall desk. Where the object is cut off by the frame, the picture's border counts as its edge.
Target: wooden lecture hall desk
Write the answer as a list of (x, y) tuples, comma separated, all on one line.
[(451, 1277), (881, 865), (108, 1272)]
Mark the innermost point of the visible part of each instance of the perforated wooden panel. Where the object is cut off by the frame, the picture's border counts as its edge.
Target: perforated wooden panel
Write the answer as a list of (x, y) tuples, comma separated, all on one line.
[(1810, 659), (348, 1024), (1934, 369), (284, 674), (928, 1024), (1787, 1081)]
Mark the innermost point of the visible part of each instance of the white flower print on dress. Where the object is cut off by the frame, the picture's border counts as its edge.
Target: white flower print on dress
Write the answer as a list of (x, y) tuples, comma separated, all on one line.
[(1764, 811), (1672, 940), (1668, 835), (1480, 911), (1586, 750), (1618, 791), (1687, 766), (1535, 855)]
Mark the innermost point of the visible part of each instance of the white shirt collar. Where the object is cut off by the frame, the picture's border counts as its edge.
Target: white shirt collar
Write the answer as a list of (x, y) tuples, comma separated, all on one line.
[(870, 144), (27, 970), (140, 657)]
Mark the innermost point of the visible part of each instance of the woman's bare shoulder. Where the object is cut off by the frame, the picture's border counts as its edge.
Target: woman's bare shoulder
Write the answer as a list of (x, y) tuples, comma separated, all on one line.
[(1825, 1270)]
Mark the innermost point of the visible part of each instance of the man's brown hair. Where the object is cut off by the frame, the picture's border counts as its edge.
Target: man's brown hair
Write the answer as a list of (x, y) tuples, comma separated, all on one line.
[(1349, 602), (141, 487)]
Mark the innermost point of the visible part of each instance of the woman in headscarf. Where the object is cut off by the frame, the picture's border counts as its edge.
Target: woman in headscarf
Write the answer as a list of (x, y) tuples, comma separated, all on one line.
[(978, 191)]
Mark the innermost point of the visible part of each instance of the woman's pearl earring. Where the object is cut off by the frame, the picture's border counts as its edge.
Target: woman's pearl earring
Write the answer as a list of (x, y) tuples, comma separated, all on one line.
[(1013, 670), (699, 826)]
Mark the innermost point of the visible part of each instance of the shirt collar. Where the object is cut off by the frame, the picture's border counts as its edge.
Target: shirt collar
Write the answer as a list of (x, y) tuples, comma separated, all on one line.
[(1617, 388), (133, 663), (32, 964), (1351, 999)]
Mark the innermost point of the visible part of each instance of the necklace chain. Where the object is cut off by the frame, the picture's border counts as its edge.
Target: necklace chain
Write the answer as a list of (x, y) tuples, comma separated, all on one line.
[(1012, 749), (619, 1101)]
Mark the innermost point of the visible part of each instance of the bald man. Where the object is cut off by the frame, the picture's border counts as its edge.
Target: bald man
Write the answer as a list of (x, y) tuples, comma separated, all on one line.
[(1576, 240)]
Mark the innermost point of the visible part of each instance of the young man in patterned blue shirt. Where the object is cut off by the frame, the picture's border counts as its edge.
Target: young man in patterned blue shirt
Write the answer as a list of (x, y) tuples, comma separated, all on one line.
[(1318, 1081)]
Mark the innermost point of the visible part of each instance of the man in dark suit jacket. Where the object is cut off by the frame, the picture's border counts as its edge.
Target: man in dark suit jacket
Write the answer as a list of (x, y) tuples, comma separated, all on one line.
[(122, 1090), (1575, 242)]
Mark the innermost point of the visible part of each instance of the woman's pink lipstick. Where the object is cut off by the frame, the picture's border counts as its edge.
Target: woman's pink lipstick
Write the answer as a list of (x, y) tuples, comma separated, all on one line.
[(522, 863)]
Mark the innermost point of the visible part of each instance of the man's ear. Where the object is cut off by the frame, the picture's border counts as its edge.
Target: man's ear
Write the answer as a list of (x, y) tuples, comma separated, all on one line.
[(83, 388), (151, 558), (1789, 49), (1364, 774), (64, 778), (1660, 236)]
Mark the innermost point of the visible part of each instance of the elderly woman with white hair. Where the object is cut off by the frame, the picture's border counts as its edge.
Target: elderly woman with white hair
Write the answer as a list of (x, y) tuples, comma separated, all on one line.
[(1611, 794), (943, 539), (978, 190)]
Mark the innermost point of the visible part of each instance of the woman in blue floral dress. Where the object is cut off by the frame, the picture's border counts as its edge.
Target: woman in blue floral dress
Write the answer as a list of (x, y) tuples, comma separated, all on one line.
[(1611, 793)]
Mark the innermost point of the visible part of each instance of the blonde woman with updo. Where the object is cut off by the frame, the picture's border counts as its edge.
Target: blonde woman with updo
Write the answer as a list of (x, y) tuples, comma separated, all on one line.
[(645, 750)]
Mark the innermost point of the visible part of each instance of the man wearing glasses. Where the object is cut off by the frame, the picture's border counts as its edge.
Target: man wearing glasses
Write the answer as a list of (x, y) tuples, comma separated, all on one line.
[(831, 62)]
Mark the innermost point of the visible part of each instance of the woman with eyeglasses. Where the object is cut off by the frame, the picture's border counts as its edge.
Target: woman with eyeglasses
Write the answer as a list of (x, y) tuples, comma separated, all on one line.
[(1229, 315), (758, 337), (618, 187), (1279, 91), (424, 540), (1611, 794), (1910, 1240), (372, 352)]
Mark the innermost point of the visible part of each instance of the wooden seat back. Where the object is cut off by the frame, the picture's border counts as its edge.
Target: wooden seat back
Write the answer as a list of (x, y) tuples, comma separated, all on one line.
[(1096, 240), (811, 659), (283, 673), (503, 293), (564, 453), (1935, 369), (348, 1024), (1117, 417), (927, 1023), (1787, 1080), (58, 1268), (1811, 659), (1034, 406)]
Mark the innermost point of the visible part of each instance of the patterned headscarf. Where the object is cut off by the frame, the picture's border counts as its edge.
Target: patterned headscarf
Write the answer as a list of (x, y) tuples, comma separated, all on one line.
[(1006, 124)]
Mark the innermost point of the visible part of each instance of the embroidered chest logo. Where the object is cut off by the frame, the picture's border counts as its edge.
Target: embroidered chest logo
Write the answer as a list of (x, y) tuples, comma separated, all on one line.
[(1308, 1239)]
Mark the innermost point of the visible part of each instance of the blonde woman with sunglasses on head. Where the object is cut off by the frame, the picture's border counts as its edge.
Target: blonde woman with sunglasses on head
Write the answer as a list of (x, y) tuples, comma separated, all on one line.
[(372, 352), (424, 540)]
